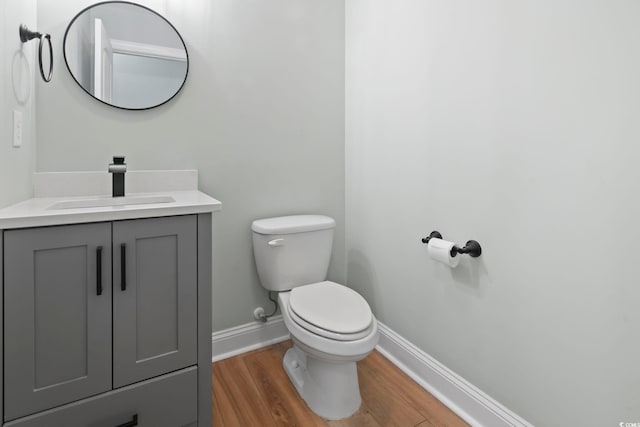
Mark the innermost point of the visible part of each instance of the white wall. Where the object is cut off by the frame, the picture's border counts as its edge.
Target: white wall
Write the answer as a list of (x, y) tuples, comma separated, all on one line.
[(261, 116), (124, 22), (516, 124), (140, 81), (79, 50), (17, 92)]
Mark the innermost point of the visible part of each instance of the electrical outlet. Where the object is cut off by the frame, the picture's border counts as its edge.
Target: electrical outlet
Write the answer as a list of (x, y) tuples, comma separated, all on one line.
[(17, 128)]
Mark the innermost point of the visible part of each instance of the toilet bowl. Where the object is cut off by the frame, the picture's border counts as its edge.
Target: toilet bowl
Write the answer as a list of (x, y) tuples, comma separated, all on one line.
[(331, 325)]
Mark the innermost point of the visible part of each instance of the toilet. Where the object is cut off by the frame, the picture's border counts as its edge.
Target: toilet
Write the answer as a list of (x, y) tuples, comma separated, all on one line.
[(331, 325)]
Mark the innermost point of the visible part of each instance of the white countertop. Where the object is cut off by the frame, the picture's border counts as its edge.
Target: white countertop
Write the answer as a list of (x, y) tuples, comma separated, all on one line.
[(37, 212)]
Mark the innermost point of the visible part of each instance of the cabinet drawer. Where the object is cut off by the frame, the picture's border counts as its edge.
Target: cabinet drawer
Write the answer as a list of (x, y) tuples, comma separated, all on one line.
[(167, 401)]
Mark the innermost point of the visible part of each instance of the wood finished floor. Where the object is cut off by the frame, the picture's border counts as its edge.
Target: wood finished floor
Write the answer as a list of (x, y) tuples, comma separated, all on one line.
[(253, 389)]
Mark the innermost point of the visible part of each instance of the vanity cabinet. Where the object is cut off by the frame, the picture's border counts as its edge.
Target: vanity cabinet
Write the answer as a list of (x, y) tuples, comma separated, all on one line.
[(102, 323)]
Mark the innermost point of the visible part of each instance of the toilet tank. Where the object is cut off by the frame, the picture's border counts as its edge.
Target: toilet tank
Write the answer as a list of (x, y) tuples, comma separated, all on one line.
[(293, 250)]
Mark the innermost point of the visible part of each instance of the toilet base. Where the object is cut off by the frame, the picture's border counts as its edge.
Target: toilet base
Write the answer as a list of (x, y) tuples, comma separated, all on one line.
[(330, 388)]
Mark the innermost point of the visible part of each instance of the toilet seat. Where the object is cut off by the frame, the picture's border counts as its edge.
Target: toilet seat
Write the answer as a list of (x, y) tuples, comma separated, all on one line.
[(331, 310)]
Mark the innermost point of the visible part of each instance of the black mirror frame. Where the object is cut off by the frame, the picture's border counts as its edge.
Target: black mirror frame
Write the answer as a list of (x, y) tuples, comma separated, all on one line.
[(64, 52)]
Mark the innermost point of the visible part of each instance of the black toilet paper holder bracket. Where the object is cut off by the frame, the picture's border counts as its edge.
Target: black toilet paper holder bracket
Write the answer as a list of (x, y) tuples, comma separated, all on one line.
[(472, 247)]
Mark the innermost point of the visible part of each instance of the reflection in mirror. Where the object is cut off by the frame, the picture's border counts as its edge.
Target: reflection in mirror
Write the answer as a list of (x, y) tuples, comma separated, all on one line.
[(126, 55)]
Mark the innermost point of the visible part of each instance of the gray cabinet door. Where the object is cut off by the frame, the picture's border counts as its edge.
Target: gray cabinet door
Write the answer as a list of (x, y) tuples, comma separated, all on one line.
[(57, 320), (154, 297)]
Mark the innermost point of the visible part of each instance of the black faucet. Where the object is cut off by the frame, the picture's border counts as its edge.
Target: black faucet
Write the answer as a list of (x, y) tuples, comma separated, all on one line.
[(118, 168)]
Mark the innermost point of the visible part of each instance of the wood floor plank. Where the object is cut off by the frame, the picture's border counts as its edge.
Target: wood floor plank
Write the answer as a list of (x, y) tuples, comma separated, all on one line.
[(253, 389), (238, 384), (362, 418), (287, 407), (216, 412), (377, 366), (226, 411), (386, 407)]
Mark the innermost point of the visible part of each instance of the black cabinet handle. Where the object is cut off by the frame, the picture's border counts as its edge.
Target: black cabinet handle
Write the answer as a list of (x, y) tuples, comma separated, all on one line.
[(99, 270), (132, 423), (123, 268)]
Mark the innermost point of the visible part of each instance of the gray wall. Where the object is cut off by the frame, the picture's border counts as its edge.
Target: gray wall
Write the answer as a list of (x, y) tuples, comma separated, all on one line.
[(261, 117), (517, 124), (17, 92)]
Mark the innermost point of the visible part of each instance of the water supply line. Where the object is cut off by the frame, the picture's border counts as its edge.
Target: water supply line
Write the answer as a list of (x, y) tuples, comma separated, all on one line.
[(259, 314)]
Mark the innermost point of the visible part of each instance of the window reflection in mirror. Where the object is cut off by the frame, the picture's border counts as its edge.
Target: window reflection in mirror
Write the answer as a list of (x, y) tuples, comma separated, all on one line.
[(125, 55)]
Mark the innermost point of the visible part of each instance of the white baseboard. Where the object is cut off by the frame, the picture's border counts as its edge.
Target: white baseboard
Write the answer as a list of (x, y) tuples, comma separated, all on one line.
[(240, 339), (470, 403), (466, 400)]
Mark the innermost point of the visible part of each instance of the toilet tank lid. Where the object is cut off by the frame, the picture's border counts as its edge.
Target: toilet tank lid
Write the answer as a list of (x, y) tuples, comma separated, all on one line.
[(292, 224)]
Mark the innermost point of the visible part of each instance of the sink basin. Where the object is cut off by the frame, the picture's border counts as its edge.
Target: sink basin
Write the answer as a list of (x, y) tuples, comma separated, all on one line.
[(110, 201)]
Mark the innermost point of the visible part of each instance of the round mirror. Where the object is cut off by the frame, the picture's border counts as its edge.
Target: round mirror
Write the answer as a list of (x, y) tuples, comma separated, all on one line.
[(126, 55)]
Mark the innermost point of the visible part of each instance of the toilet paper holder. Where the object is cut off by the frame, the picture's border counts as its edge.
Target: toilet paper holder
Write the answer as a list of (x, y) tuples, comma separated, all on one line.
[(472, 247)]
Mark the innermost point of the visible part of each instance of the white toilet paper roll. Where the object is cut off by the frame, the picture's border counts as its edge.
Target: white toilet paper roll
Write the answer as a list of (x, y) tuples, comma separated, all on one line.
[(440, 250)]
